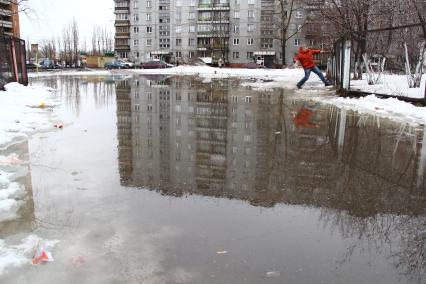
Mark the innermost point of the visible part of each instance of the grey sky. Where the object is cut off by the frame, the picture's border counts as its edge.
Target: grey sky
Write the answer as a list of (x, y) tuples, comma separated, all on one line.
[(50, 16)]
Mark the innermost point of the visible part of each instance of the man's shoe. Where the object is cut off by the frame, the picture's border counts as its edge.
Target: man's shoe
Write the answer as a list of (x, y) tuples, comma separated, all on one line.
[(328, 84), (299, 87)]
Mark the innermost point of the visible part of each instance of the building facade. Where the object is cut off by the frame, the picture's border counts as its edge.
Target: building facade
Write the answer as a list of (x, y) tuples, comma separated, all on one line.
[(231, 31), (9, 18)]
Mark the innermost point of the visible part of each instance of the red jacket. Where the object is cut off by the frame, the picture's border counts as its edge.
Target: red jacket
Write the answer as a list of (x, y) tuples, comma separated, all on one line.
[(302, 119), (306, 57)]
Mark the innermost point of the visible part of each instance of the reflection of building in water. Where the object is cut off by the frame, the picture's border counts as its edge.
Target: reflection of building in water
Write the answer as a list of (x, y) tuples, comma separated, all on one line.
[(19, 217), (124, 128), (189, 137)]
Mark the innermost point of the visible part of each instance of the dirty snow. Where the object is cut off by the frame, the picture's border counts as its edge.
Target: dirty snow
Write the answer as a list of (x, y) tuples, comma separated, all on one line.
[(386, 108), (24, 110), (15, 255), (395, 85)]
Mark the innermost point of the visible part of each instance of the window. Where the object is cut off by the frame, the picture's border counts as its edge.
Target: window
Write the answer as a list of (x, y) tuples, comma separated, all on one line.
[(236, 14), (296, 42), (178, 42), (178, 54), (192, 29), (250, 41), (192, 3), (178, 3), (148, 42), (236, 41), (136, 17), (298, 15), (191, 42), (135, 4), (191, 54), (251, 2), (148, 4), (250, 27), (178, 29), (149, 29), (148, 17), (236, 28), (249, 55), (191, 16), (235, 55), (250, 13), (135, 30), (136, 42)]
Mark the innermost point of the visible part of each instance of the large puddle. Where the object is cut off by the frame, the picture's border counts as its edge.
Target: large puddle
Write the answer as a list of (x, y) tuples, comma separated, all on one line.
[(180, 180)]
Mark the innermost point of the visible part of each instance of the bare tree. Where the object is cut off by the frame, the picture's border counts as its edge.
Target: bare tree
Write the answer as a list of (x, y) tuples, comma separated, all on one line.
[(75, 35), (285, 13)]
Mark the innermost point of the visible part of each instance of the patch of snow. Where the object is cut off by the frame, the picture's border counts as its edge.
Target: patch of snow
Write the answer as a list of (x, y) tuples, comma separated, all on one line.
[(11, 197), (391, 84), (94, 72), (24, 110), (20, 254), (387, 108)]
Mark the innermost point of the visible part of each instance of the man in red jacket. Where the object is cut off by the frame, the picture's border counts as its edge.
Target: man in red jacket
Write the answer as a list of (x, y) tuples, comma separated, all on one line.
[(306, 58)]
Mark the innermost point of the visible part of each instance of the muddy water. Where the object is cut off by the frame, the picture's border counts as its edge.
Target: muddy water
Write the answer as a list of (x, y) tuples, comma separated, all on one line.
[(176, 180)]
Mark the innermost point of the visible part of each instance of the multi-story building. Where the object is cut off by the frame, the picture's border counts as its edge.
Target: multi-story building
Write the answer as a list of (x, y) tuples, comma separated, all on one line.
[(232, 31), (122, 28), (9, 18)]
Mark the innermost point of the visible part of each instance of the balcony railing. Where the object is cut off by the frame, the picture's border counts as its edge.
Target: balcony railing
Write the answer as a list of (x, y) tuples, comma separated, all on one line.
[(214, 6), (213, 19)]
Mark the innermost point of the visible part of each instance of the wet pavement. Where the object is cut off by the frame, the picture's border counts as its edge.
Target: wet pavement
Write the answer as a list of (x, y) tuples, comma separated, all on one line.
[(176, 180)]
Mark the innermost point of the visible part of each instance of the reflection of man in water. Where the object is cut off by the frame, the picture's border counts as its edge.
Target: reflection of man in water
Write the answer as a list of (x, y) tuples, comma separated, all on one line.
[(303, 118)]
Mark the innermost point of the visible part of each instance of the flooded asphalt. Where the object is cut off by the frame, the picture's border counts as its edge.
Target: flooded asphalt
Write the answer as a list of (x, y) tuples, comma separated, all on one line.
[(176, 180)]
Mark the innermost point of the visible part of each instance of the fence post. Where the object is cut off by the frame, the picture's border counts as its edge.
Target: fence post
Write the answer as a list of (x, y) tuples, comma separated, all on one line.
[(346, 65), (14, 61)]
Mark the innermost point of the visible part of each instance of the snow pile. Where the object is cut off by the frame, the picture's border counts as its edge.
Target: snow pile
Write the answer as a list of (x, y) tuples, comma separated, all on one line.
[(24, 110), (20, 254), (11, 197), (70, 73), (387, 108), (395, 85)]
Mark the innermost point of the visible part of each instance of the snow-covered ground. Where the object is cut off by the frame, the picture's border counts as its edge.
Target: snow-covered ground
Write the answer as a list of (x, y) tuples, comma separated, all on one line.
[(395, 85), (25, 110)]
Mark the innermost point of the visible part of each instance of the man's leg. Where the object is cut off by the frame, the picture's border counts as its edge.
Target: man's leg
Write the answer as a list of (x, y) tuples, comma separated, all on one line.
[(307, 74), (321, 76)]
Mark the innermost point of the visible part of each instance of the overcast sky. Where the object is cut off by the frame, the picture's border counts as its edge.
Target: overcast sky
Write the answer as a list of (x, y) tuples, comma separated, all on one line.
[(50, 16)]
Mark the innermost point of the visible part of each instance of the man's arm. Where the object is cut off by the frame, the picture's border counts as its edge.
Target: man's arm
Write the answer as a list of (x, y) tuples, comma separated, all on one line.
[(316, 51)]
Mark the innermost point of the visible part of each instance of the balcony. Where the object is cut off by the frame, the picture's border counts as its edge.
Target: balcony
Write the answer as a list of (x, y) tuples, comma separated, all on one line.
[(125, 35), (224, 20), (122, 23), (4, 12), (213, 7), (122, 47), (213, 34), (6, 24), (121, 10)]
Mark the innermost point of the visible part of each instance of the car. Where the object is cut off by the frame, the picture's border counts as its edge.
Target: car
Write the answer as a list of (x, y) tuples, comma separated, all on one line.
[(118, 64), (127, 64), (156, 64), (47, 64), (33, 66)]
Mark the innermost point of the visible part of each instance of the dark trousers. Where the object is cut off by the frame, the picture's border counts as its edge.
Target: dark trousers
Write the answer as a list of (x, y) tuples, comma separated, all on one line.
[(308, 73)]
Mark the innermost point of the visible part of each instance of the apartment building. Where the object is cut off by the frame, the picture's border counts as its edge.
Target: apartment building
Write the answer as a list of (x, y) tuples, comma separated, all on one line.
[(232, 31), (9, 18)]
